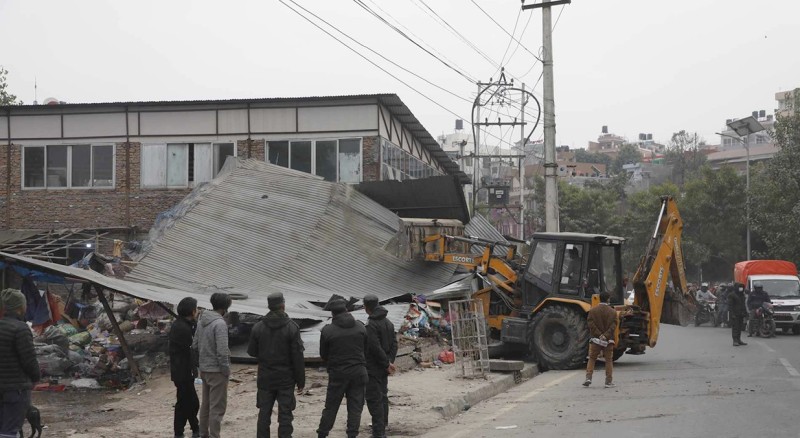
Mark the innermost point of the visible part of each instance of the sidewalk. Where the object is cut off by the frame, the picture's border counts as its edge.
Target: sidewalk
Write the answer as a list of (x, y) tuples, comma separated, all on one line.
[(419, 400)]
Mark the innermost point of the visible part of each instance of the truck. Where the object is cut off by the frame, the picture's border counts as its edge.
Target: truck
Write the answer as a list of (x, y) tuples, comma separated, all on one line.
[(779, 280), (538, 304)]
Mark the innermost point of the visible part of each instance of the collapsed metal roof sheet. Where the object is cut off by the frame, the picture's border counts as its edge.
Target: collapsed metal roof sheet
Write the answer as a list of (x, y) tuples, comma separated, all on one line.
[(259, 228), (438, 197), (255, 304)]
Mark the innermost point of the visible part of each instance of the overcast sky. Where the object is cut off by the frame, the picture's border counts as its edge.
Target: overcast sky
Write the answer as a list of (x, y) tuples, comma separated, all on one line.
[(634, 65)]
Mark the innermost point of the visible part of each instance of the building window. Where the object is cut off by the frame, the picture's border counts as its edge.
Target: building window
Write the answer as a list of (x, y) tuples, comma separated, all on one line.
[(180, 165), (68, 166), (399, 165), (334, 160)]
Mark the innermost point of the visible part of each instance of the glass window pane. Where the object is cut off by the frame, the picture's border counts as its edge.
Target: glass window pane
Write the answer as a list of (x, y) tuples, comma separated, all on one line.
[(102, 165), (57, 166), (350, 160), (81, 165), (279, 153), (326, 159), (543, 260), (177, 165), (300, 154), (34, 166), (221, 153)]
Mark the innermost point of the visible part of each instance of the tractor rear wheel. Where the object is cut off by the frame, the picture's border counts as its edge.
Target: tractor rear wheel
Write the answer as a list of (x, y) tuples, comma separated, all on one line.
[(560, 337)]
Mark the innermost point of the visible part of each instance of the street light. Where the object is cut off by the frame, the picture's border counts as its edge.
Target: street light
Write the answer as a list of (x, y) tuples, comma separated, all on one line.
[(744, 128)]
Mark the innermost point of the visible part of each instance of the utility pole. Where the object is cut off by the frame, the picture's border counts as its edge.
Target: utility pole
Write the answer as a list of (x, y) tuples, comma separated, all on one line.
[(550, 165), (523, 100), (477, 136)]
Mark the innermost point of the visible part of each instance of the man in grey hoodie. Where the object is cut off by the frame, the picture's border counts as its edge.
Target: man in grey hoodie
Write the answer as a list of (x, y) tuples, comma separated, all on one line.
[(211, 343)]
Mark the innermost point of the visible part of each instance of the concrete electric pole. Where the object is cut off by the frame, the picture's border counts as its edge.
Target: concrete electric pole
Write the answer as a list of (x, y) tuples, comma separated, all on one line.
[(550, 165)]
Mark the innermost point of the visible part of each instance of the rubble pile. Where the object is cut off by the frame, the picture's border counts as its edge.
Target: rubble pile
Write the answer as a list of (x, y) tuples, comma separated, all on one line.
[(81, 344)]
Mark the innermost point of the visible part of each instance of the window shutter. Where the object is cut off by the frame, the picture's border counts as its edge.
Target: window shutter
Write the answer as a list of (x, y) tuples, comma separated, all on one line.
[(203, 163), (154, 165)]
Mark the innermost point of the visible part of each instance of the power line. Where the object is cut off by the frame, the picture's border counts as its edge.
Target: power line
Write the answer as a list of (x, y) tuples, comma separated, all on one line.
[(508, 46), (442, 22), (404, 35), (410, 32), (504, 30), (379, 54)]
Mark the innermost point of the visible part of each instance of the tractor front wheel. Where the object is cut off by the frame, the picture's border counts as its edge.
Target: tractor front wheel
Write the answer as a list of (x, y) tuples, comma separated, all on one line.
[(560, 337)]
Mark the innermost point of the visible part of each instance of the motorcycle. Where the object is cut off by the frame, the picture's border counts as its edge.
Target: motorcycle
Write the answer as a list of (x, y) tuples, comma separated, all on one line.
[(763, 324), (706, 312)]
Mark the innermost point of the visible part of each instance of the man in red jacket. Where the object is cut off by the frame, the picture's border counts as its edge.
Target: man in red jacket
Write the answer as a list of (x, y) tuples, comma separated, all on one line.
[(602, 323)]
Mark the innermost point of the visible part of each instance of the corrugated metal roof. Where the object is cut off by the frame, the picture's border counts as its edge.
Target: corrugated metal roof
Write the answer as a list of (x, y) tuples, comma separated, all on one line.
[(255, 303), (479, 226), (262, 228)]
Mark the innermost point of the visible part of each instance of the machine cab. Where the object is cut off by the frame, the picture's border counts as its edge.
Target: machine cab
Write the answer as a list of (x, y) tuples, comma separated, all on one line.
[(572, 266)]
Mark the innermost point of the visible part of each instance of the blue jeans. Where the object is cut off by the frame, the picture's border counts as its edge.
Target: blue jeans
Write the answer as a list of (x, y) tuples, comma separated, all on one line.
[(14, 406)]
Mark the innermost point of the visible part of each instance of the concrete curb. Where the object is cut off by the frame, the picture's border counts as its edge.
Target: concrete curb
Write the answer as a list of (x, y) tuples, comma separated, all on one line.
[(453, 407)]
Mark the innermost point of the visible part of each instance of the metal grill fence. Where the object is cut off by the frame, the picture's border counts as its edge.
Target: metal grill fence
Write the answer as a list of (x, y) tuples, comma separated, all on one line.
[(470, 344)]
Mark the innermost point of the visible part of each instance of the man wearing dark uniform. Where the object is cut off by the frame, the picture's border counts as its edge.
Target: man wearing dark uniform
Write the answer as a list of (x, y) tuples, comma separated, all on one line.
[(275, 342), (737, 311), (377, 394), (343, 345)]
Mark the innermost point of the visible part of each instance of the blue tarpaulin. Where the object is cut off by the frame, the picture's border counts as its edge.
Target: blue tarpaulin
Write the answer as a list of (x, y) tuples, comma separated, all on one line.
[(36, 275)]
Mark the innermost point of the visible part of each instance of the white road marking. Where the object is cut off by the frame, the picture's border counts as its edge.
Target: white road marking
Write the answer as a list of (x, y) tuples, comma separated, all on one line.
[(515, 404), (792, 371)]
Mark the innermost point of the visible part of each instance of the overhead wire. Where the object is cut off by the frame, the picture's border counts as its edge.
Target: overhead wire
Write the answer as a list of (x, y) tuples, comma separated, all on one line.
[(410, 32), (379, 54), (504, 30), (442, 22), (404, 35), (508, 46), (340, 41)]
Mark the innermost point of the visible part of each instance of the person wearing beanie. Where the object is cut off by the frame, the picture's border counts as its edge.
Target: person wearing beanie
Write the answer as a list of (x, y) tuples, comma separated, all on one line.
[(343, 346), (377, 392), (275, 342), (19, 369)]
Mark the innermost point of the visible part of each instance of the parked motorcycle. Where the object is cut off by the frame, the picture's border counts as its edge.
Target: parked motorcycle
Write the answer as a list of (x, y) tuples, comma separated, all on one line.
[(764, 322), (706, 312)]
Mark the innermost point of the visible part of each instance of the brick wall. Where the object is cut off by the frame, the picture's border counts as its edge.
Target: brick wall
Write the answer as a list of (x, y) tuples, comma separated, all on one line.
[(124, 205), (255, 150), (371, 158)]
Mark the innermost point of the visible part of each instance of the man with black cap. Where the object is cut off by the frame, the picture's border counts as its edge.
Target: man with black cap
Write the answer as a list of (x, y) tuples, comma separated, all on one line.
[(377, 393), (19, 369), (275, 342), (343, 345), (738, 311)]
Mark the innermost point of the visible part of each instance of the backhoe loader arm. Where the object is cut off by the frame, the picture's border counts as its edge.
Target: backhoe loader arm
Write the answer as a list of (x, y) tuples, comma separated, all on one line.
[(663, 258)]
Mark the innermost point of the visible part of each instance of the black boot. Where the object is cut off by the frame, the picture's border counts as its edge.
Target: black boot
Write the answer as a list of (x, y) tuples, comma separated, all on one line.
[(736, 343), (741, 342)]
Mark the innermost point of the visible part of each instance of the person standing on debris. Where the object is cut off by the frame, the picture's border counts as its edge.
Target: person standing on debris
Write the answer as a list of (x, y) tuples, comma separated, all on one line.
[(602, 321), (214, 356), (343, 345), (738, 311), (377, 393), (182, 369), (275, 342), (19, 369)]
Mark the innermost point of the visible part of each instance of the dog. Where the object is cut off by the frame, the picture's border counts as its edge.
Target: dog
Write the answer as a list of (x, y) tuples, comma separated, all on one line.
[(35, 420)]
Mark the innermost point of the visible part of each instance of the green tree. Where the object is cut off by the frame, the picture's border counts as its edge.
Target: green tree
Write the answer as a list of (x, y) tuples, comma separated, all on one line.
[(683, 153), (628, 154), (713, 211), (584, 156), (587, 210), (775, 188), (5, 97)]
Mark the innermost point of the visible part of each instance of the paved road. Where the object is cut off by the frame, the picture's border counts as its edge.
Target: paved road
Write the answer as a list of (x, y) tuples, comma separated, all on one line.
[(693, 384)]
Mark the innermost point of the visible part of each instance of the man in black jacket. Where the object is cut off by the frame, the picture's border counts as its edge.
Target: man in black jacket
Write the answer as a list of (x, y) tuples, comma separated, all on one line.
[(275, 342), (343, 345), (182, 368), (377, 393), (19, 369), (737, 311)]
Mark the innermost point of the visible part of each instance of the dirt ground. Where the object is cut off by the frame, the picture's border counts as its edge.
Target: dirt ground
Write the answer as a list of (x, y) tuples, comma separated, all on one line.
[(146, 410)]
